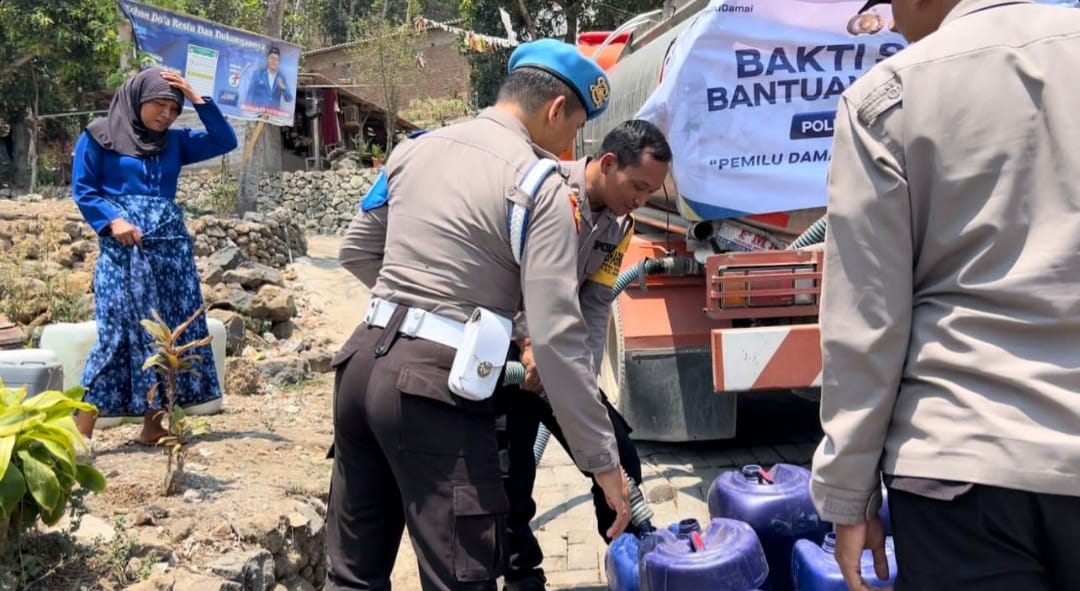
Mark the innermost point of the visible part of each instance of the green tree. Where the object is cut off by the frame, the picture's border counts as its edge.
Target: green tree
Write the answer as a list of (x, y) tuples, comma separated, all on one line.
[(303, 23), (535, 19), (56, 55), (337, 16), (486, 70), (385, 57), (241, 14)]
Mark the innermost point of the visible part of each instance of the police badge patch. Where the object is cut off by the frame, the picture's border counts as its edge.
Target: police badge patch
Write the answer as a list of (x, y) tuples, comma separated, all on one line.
[(600, 92), (575, 209)]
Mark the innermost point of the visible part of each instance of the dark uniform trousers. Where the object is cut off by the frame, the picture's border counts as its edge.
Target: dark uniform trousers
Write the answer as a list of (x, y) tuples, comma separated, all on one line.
[(407, 452), (524, 413), (986, 539)]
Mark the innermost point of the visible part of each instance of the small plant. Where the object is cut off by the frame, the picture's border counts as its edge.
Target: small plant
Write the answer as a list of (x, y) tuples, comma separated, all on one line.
[(42, 556), (39, 465), (171, 359), (65, 299), (223, 192), (121, 556)]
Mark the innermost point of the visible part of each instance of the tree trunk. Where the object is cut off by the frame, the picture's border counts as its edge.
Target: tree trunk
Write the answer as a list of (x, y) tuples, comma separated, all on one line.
[(266, 157), (352, 18), (275, 14), (571, 13), (127, 40), (391, 119), (529, 25), (20, 133), (32, 153), (295, 10)]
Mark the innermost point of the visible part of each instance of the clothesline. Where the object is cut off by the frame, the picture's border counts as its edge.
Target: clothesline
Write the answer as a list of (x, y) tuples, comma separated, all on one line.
[(476, 42)]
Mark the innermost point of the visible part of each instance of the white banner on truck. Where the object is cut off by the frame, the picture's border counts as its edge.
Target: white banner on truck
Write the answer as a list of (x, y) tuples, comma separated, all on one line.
[(748, 97)]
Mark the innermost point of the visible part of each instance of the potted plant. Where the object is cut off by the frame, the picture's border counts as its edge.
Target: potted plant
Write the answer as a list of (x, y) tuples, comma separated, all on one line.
[(376, 152)]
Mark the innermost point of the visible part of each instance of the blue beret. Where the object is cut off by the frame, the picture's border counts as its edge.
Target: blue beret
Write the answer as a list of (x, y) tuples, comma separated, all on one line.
[(566, 63)]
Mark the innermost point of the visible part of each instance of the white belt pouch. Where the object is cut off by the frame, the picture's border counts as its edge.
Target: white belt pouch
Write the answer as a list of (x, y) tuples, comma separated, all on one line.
[(481, 356)]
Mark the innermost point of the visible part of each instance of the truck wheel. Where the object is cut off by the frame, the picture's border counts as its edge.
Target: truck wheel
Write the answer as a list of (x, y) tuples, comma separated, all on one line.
[(612, 379)]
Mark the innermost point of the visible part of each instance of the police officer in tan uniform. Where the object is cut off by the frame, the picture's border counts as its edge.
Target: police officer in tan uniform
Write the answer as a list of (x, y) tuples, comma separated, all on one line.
[(633, 163), (950, 310), (477, 221)]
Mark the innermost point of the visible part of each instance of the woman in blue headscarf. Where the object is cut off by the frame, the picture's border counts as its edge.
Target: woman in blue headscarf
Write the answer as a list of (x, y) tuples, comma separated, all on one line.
[(124, 182)]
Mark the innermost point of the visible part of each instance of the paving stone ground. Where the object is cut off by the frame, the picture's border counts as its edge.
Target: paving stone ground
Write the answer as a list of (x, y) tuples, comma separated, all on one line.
[(772, 428)]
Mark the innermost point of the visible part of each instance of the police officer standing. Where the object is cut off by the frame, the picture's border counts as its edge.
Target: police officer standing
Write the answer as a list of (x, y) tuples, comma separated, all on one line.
[(472, 224), (633, 163), (949, 310)]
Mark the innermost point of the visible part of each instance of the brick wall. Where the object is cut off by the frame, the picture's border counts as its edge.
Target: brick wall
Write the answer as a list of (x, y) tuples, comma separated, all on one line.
[(445, 72)]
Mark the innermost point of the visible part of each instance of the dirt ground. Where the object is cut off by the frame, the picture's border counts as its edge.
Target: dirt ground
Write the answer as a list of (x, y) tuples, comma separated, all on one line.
[(262, 450)]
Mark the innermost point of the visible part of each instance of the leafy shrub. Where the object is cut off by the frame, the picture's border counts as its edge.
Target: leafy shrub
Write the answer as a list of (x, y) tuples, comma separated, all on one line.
[(39, 463)]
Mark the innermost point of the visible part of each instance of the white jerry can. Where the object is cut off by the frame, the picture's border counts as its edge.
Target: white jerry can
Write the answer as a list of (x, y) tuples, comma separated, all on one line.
[(71, 343)]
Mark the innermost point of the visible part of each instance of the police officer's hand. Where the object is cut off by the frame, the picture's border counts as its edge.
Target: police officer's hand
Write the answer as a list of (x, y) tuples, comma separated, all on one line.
[(617, 493), (851, 540), (532, 377)]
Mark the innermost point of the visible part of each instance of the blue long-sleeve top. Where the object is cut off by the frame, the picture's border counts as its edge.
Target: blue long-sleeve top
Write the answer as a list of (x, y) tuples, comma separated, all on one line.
[(99, 174)]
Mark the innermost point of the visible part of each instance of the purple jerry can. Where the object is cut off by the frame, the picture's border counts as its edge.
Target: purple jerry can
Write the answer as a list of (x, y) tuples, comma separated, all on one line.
[(814, 568), (726, 556), (776, 504)]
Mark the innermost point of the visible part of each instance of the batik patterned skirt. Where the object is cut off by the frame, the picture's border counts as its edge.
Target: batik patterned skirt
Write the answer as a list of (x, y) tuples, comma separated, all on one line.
[(129, 284)]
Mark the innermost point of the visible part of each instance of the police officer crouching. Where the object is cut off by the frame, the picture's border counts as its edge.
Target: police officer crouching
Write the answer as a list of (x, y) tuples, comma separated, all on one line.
[(631, 165), (472, 221)]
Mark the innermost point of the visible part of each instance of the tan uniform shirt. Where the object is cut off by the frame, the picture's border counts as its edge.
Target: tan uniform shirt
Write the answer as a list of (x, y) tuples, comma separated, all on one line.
[(951, 313), (447, 251), (602, 241)]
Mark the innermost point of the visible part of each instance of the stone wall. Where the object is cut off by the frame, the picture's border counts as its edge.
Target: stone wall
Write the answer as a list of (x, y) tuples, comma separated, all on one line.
[(46, 192), (319, 202), (49, 253), (33, 229), (325, 202), (322, 202), (274, 239)]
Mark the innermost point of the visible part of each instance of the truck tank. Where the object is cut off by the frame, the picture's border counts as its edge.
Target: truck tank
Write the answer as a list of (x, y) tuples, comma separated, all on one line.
[(658, 366), (633, 79)]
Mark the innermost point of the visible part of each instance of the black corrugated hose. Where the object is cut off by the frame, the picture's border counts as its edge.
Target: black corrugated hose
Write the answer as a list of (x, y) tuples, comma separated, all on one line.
[(514, 373)]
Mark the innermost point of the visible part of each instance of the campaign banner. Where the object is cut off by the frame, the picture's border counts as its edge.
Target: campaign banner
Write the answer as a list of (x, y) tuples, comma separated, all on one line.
[(249, 76), (748, 97)]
